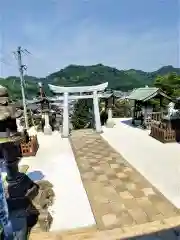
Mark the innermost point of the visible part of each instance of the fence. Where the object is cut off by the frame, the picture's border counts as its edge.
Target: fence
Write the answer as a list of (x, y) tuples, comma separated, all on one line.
[(153, 117)]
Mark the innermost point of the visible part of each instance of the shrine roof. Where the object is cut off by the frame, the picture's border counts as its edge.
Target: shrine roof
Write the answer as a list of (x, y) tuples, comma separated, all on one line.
[(106, 95), (118, 94), (115, 93), (146, 93)]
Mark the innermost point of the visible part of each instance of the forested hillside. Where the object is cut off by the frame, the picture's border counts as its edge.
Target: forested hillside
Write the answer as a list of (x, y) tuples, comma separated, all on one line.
[(75, 75)]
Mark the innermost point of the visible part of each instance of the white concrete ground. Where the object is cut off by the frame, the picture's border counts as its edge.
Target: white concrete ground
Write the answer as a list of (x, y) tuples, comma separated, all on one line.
[(158, 162), (55, 162)]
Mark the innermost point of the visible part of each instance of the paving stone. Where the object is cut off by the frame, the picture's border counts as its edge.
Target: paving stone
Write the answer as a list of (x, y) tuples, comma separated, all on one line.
[(144, 202), (131, 186), (131, 204), (109, 219), (117, 207), (115, 165), (115, 182), (102, 178), (121, 188), (151, 212), (110, 189), (88, 175), (138, 215), (121, 175), (101, 199), (126, 195), (128, 169), (155, 199), (148, 191), (125, 219), (103, 209), (166, 209), (118, 194), (97, 168), (137, 193)]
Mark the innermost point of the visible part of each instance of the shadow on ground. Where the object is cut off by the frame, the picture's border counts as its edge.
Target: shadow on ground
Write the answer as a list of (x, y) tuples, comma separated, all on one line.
[(128, 122), (169, 234), (36, 175)]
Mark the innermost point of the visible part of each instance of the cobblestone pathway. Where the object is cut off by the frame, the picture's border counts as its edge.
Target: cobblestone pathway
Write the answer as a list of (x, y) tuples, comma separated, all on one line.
[(120, 198)]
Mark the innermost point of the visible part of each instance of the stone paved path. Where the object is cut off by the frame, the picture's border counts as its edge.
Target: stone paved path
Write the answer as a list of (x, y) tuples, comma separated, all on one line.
[(120, 197), (124, 204)]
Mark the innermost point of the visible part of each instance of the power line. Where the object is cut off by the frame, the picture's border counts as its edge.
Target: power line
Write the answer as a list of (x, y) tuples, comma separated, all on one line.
[(25, 51)]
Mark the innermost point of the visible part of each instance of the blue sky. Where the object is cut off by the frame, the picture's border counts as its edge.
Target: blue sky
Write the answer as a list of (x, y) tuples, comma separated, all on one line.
[(140, 34)]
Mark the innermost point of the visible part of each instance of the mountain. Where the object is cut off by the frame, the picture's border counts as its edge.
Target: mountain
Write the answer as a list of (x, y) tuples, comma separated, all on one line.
[(76, 75), (148, 77), (91, 75), (166, 70)]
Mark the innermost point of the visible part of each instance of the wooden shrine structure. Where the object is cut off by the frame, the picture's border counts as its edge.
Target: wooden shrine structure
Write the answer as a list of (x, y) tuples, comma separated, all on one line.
[(143, 109)]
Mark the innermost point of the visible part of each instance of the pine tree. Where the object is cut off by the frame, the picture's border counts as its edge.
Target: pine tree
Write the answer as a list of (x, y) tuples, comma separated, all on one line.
[(82, 115)]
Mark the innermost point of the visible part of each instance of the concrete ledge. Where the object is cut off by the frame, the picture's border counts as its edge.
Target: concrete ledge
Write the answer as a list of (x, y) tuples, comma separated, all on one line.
[(92, 233)]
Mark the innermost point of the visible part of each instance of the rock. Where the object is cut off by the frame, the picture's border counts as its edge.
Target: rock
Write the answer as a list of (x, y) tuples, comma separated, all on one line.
[(50, 192), (45, 220), (44, 184)]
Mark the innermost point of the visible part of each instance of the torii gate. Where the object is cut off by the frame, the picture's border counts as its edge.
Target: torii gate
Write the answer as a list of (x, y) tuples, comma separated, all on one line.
[(81, 90)]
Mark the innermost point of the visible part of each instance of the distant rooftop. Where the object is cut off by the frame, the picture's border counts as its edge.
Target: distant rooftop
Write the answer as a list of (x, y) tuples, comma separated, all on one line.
[(115, 93), (146, 93)]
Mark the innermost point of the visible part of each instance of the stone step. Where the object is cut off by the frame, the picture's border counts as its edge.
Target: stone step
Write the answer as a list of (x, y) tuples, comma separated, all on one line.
[(79, 233), (157, 231), (43, 235)]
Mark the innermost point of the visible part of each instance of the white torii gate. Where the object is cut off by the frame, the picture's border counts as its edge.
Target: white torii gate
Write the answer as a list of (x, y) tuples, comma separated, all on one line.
[(85, 89)]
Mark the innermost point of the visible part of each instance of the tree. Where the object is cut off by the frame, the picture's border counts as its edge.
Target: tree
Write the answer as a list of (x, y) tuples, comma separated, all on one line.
[(122, 108), (169, 83), (82, 115)]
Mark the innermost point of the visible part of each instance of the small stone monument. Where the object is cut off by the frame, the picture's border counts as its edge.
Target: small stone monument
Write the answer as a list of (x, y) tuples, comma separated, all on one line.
[(172, 113), (45, 110), (47, 127), (172, 119), (110, 122)]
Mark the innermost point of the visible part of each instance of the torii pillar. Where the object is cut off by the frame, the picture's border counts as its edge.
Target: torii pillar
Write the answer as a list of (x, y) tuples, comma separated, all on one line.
[(65, 130), (96, 112)]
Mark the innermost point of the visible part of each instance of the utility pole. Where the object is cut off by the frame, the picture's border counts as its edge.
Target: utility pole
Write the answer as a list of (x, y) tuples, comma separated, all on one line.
[(21, 71)]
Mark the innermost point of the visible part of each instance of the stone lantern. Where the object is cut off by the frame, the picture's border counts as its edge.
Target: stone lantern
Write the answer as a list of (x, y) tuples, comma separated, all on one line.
[(10, 154), (45, 108), (20, 190), (10, 145)]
